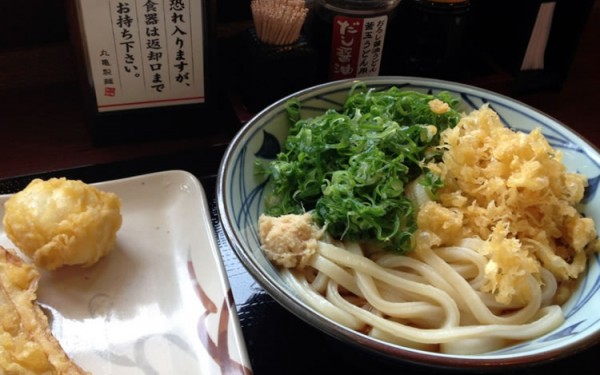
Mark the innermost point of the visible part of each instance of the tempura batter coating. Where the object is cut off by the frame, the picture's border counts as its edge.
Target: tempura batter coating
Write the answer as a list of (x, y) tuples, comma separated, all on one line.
[(27, 345), (61, 222)]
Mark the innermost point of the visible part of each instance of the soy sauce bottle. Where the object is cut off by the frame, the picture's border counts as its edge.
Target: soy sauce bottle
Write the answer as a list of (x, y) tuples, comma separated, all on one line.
[(350, 36), (430, 39)]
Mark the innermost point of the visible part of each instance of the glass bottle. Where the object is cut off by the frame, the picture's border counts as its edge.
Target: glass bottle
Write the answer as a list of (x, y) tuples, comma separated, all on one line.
[(350, 36), (430, 40)]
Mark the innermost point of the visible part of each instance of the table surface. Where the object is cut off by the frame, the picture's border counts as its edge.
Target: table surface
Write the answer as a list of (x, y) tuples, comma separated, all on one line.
[(45, 134)]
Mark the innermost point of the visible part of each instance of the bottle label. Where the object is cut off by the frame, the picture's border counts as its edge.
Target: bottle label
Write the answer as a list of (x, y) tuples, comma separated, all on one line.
[(144, 53), (356, 46)]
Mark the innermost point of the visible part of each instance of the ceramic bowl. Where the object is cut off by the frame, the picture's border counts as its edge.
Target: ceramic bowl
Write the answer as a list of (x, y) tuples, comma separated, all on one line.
[(240, 202)]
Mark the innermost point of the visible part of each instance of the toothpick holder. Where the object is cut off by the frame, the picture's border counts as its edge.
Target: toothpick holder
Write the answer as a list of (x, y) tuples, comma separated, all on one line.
[(271, 72)]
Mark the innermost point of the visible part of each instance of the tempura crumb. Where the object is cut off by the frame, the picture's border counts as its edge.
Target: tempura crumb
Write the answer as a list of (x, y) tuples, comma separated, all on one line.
[(496, 177), (438, 107)]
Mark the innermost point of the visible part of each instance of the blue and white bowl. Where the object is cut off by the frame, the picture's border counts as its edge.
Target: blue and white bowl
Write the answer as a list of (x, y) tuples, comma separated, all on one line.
[(240, 202)]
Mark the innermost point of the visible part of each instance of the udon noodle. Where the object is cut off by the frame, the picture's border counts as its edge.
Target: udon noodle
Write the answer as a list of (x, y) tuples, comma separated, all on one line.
[(494, 256), (429, 302)]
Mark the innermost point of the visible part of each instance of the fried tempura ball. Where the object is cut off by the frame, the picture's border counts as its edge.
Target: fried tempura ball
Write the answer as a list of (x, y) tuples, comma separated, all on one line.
[(59, 222)]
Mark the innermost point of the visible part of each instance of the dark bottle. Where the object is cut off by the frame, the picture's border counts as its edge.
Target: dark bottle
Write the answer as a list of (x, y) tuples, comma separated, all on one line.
[(350, 36), (429, 39)]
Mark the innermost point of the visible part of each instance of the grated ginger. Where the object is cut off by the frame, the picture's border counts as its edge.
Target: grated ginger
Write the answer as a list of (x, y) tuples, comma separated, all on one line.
[(289, 240), (512, 190)]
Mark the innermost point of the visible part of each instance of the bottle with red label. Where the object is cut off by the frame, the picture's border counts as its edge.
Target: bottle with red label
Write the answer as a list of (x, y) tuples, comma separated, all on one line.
[(350, 35)]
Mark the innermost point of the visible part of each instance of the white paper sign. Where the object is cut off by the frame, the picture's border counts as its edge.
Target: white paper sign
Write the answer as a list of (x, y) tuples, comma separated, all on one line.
[(144, 53)]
